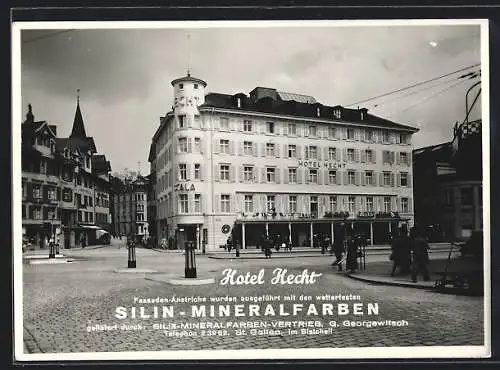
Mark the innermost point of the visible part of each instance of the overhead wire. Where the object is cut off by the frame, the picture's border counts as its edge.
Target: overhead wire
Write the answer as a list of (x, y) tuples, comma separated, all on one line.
[(415, 85), (429, 97), (46, 36), (470, 74)]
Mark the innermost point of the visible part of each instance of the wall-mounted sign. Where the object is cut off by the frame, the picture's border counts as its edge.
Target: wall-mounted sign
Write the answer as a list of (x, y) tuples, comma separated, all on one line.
[(319, 164), (184, 187), (225, 229)]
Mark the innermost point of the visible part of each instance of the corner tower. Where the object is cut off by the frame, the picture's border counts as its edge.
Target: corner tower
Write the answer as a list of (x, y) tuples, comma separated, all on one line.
[(189, 93)]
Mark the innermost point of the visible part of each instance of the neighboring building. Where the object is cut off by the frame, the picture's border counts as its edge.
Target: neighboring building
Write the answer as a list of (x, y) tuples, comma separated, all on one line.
[(41, 209), (151, 205), (131, 206), (61, 187), (448, 193), (276, 162)]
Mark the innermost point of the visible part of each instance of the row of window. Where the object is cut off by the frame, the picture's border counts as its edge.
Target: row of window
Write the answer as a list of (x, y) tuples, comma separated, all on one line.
[(39, 213), (292, 175), (289, 129), (101, 218), (351, 204), (131, 196), (87, 217), (308, 130), (250, 148), (125, 218), (37, 192)]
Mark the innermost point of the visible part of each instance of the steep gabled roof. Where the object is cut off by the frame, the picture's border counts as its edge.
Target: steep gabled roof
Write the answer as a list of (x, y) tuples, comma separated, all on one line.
[(100, 164)]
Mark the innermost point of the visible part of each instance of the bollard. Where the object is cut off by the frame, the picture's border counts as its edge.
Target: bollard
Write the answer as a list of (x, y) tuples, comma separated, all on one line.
[(131, 255), (52, 250), (190, 265)]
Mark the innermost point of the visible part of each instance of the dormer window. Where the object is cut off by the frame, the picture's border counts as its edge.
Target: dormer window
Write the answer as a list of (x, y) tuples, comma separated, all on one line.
[(337, 114), (318, 112), (362, 115), (196, 86), (238, 102)]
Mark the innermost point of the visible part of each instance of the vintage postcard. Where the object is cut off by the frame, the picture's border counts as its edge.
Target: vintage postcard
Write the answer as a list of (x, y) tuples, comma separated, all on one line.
[(251, 190)]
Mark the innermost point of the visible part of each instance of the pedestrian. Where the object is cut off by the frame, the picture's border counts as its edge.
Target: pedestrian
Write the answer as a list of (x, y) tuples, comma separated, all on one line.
[(267, 246), (419, 248), (325, 244), (237, 247), (352, 253), (279, 242), (339, 250), (395, 256), (405, 250), (229, 243)]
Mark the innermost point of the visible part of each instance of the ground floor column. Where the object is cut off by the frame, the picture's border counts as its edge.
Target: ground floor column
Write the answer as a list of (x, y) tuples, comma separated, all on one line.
[(332, 232), (290, 232), (267, 229), (243, 243), (198, 234), (312, 235), (390, 227), (371, 233)]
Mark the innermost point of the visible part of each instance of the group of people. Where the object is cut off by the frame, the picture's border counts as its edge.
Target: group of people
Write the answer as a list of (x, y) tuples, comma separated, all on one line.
[(410, 253), (353, 246)]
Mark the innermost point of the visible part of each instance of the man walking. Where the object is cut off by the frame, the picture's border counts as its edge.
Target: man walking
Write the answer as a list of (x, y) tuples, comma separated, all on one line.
[(419, 247)]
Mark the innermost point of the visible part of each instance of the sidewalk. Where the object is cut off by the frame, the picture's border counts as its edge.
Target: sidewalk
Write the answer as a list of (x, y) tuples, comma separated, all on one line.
[(256, 253), (45, 252), (379, 273)]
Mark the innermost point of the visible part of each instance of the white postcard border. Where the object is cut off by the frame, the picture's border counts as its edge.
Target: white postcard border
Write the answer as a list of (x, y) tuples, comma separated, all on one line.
[(320, 353)]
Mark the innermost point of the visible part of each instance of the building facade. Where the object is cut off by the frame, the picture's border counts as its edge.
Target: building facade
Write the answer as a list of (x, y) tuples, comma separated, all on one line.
[(277, 163), (131, 207), (65, 185), (448, 199)]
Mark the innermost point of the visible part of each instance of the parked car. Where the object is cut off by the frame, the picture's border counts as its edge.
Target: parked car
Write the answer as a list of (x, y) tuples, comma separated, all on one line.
[(103, 237)]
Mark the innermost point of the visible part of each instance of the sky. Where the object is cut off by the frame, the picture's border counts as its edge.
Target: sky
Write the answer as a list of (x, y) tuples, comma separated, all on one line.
[(124, 75)]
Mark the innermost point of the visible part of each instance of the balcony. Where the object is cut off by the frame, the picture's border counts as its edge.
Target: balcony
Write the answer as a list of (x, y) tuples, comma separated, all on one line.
[(275, 216)]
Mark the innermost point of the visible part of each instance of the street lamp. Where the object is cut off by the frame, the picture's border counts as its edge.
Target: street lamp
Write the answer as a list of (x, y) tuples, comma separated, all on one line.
[(467, 112)]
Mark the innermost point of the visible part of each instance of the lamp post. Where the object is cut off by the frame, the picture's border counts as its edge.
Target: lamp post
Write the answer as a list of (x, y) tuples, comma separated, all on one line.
[(52, 249), (467, 112), (132, 261), (190, 259)]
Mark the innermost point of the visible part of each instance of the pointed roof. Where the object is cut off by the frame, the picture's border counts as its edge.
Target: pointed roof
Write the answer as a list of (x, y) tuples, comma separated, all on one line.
[(30, 118), (78, 130)]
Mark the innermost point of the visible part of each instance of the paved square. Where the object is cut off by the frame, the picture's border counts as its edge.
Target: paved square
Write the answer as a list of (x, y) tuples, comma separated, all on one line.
[(66, 306)]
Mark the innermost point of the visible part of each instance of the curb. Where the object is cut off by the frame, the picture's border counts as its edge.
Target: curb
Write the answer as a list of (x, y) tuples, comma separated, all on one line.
[(390, 283), (259, 257)]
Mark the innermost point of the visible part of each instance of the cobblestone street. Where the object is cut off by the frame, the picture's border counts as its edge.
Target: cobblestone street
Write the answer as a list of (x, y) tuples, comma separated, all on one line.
[(65, 303)]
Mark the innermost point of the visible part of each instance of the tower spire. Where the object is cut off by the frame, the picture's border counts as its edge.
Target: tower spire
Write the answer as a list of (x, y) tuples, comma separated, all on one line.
[(30, 118), (78, 126)]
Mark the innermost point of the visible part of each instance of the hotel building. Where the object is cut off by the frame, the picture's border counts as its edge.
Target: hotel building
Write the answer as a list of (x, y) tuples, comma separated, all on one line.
[(278, 163)]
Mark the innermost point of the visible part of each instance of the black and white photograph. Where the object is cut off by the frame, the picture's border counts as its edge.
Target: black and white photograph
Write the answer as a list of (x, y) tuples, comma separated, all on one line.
[(251, 190)]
